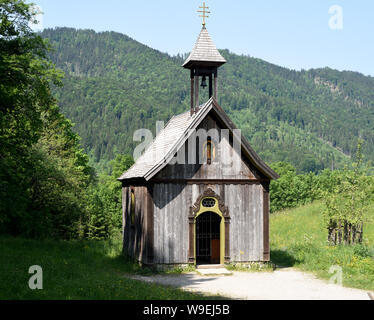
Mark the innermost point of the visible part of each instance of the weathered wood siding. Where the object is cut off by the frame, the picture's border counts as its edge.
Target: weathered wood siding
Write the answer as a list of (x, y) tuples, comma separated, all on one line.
[(220, 168), (126, 236), (171, 204), (171, 226), (136, 236), (245, 203)]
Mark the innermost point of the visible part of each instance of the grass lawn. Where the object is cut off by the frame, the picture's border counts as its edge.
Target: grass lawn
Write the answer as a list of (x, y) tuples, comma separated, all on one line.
[(298, 238), (75, 270), (96, 269)]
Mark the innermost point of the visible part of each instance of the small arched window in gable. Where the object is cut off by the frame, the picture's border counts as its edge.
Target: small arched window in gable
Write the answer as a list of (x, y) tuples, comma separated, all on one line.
[(209, 150)]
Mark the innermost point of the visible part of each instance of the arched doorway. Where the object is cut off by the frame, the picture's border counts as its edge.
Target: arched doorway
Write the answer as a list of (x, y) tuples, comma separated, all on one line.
[(210, 207), (208, 236), (209, 233)]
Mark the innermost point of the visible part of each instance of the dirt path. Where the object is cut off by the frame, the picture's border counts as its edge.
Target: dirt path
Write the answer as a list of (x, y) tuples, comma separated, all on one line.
[(279, 285)]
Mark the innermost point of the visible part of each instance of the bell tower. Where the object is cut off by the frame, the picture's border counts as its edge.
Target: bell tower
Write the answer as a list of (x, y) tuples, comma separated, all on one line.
[(203, 62)]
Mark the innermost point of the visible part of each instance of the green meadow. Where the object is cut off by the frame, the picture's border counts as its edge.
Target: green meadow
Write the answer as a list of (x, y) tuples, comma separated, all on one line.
[(298, 239), (97, 270), (76, 270)]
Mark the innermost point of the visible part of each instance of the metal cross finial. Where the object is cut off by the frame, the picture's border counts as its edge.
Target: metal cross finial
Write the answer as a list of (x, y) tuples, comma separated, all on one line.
[(204, 13)]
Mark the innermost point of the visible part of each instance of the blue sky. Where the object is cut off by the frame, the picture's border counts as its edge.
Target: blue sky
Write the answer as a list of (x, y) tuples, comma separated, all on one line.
[(293, 33)]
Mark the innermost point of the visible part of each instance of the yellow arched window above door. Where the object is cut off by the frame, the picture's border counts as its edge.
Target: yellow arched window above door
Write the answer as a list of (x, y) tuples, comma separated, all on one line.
[(209, 202)]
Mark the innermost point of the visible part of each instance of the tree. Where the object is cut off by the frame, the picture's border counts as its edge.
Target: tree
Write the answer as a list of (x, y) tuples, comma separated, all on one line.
[(43, 170), (104, 205), (27, 75), (57, 183), (25, 96), (347, 204), (120, 164)]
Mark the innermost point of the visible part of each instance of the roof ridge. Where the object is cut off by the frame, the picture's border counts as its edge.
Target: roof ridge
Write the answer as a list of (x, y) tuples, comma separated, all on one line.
[(193, 119)]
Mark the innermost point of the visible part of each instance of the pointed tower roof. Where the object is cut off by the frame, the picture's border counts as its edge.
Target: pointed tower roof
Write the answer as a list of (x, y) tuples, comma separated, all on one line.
[(204, 53)]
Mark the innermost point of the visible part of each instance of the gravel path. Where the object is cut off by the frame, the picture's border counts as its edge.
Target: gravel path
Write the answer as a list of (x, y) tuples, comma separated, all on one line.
[(278, 285)]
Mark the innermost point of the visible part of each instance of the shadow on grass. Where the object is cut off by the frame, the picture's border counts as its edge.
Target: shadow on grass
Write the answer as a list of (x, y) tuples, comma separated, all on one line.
[(282, 258)]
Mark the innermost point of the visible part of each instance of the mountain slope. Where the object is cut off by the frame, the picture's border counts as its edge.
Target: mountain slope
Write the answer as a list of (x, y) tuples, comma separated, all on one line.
[(115, 85)]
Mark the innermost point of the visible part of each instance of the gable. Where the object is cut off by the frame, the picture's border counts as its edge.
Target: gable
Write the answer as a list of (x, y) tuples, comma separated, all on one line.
[(162, 151), (223, 156)]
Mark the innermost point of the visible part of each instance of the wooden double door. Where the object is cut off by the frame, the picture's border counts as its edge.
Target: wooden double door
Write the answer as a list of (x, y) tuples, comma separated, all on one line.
[(208, 230)]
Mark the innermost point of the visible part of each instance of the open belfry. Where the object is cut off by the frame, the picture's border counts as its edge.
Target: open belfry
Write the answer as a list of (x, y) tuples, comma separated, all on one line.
[(199, 194)]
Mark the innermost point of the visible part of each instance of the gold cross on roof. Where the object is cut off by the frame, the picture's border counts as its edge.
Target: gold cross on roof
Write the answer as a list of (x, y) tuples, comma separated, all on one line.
[(204, 13)]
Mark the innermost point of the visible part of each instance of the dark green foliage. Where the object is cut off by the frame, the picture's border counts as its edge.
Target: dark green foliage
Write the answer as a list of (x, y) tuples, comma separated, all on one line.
[(347, 192), (104, 201), (47, 188), (44, 173), (120, 164), (26, 109), (363, 251), (292, 190), (111, 89), (115, 85)]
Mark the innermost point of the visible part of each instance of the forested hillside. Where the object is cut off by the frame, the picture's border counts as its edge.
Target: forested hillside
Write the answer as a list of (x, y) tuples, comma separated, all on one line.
[(115, 85)]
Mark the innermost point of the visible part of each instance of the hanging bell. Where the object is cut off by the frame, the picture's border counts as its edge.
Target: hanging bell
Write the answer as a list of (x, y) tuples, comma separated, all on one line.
[(203, 82)]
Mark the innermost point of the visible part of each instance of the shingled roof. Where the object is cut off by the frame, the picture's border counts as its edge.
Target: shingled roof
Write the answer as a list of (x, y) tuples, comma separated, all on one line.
[(204, 51), (175, 134)]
